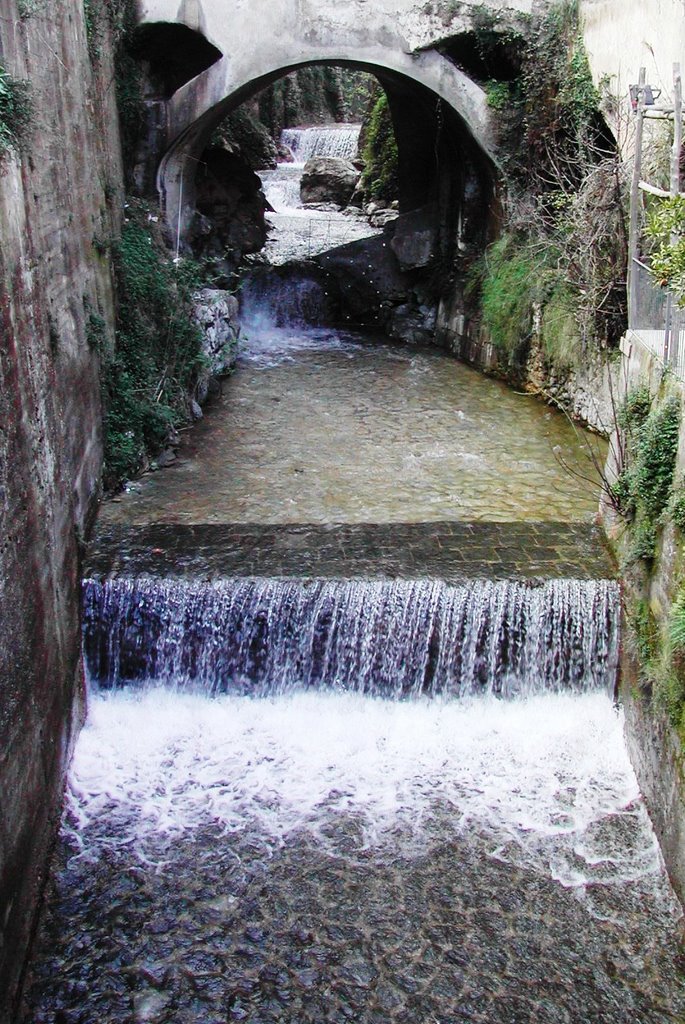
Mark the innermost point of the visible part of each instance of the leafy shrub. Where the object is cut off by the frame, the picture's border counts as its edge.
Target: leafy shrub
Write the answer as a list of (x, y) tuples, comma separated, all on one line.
[(657, 451), (635, 408)]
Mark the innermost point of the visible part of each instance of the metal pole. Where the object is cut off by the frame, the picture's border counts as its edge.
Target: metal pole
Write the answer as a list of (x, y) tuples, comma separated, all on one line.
[(634, 201), (672, 339)]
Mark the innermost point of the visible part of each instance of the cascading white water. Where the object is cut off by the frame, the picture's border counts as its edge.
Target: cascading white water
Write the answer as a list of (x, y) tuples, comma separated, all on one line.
[(300, 232), (390, 638), (340, 140)]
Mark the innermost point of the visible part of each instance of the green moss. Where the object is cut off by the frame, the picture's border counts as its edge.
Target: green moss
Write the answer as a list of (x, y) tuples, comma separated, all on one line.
[(16, 112), (645, 632), (381, 171), (560, 334), (677, 507), (507, 295), (157, 351)]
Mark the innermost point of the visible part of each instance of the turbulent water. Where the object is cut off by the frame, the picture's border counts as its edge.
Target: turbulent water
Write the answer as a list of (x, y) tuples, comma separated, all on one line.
[(304, 143), (383, 638), (299, 233)]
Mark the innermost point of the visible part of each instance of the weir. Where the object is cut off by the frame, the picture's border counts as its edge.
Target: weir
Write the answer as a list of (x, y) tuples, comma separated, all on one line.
[(305, 143), (382, 638)]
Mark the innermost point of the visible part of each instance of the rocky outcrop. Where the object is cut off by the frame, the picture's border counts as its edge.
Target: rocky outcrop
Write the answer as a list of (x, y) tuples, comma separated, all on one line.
[(230, 210), (216, 313), (328, 179)]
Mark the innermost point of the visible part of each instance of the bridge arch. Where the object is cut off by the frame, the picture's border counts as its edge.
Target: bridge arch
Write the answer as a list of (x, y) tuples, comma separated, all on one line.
[(197, 106)]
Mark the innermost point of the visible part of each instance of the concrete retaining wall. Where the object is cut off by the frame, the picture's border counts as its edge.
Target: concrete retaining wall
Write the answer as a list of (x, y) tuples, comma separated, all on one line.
[(52, 205)]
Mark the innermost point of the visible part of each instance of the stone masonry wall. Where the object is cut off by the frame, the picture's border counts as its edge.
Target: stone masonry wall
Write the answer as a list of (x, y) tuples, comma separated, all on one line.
[(60, 195)]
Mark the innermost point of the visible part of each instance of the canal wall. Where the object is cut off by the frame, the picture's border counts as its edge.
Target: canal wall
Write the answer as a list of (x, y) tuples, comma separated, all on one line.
[(58, 196), (651, 675), (586, 392)]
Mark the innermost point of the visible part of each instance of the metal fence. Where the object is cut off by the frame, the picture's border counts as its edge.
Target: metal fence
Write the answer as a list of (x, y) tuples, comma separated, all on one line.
[(657, 320)]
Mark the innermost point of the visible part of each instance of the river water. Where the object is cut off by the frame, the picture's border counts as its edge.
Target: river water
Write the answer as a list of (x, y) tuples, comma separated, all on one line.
[(348, 758)]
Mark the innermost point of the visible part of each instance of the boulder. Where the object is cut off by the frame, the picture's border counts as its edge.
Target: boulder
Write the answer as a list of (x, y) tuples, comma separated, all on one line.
[(413, 323), (328, 179), (415, 238), (216, 313)]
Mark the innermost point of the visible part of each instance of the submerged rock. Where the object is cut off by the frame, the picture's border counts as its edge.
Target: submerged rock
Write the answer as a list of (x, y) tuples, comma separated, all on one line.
[(328, 179)]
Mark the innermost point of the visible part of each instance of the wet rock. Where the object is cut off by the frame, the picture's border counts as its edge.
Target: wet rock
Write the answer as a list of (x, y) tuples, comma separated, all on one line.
[(414, 241), (149, 1005), (379, 218), (413, 324), (216, 313), (328, 179), (166, 458)]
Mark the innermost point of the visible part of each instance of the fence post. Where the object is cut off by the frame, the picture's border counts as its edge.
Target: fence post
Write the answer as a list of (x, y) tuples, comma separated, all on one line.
[(634, 200), (672, 339)]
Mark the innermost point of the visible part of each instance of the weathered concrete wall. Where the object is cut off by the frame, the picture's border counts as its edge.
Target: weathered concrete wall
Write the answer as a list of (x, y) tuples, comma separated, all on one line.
[(52, 204), (621, 37), (655, 748)]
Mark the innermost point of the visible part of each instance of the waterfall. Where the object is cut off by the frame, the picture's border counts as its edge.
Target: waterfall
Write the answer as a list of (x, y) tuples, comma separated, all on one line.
[(382, 638), (338, 140)]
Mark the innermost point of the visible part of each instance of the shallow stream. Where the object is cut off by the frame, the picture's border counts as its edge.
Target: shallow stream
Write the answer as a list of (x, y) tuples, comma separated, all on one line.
[(256, 831)]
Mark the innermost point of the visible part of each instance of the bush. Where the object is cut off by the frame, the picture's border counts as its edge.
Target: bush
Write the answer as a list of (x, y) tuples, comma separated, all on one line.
[(656, 457)]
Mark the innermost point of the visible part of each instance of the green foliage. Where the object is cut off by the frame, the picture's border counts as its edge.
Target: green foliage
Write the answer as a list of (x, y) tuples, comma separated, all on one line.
[(16, 112), (643, 490), (507, 296), (96, 328), (676, 628), (560, 335), (677, 507), (635, 409), (656, 457), (381, 171), (666, 228), (30, 8), (498, 95), (645, 632), (157, 352)]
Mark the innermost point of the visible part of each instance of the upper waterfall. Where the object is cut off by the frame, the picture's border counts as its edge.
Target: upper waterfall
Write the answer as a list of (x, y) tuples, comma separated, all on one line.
[(329, 140)]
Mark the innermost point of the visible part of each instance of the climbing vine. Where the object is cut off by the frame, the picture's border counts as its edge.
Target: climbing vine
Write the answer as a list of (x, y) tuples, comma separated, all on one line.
[(566, 196), (380, 178)]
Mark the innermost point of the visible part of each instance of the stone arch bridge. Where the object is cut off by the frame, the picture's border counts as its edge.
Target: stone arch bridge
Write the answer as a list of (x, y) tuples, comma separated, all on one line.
[(250, 43)]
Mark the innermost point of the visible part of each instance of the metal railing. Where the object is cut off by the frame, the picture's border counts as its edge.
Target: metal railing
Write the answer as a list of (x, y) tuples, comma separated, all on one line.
[(657, 319)]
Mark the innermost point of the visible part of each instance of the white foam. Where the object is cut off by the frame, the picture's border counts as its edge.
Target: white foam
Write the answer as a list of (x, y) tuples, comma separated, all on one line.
[(536, 777)]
